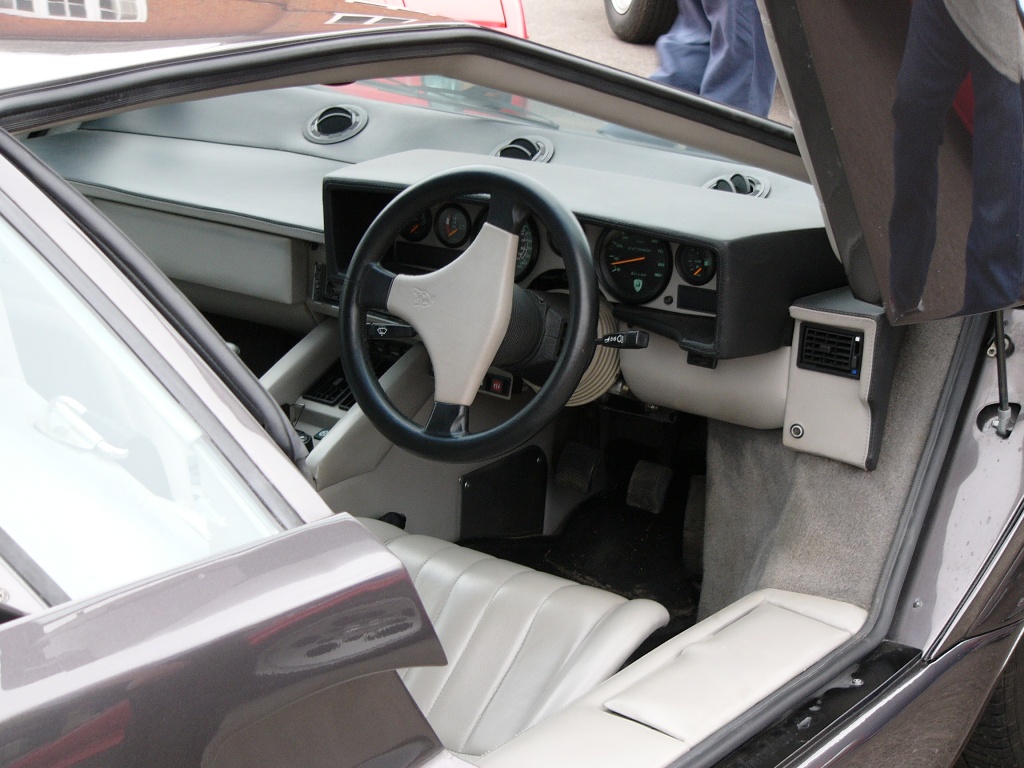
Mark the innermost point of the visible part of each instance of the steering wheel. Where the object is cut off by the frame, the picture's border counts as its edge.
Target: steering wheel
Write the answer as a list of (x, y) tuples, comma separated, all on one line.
[(462, 313)]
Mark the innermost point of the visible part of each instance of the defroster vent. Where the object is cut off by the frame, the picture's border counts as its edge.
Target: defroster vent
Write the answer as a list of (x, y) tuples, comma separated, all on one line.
[(530, 148), (831, 350)]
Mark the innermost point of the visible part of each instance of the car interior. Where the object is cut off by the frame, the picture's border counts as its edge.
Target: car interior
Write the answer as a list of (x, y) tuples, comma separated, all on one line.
[(717, 510)]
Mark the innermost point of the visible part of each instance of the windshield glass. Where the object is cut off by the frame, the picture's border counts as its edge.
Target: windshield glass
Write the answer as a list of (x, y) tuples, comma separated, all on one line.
[(106, 478), (446, 94)]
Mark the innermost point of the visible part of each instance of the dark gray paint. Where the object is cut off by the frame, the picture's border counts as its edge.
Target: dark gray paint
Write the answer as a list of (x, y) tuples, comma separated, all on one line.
[(157, 669), (925, 717)]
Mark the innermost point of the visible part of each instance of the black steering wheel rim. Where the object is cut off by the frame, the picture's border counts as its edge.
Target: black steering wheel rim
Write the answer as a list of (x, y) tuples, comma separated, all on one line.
[(361, 293)]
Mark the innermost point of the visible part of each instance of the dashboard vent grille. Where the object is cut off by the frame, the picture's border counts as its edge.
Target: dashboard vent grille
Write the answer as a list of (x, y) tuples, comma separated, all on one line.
[(334, 124), (740, 184), (529, 148), (831, 350)]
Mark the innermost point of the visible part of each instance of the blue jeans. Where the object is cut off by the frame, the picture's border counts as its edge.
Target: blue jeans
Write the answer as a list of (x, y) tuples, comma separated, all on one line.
[(936, 59), (717, 49)]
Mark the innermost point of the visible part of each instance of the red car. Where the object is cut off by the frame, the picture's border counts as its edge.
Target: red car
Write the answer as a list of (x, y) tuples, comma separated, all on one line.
[(504, 15)]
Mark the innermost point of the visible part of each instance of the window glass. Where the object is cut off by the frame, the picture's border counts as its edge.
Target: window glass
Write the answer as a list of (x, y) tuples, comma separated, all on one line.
[(105, 477)]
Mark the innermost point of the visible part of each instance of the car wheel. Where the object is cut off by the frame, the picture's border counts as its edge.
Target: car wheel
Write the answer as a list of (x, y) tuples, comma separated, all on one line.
[(639, 21), (998, 739)]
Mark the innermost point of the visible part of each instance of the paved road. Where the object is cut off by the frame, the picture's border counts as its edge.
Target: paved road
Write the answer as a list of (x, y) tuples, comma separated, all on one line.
[(579, 27)]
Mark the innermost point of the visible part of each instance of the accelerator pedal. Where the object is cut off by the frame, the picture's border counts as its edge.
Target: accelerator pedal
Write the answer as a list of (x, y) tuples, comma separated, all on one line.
[(648, 486)]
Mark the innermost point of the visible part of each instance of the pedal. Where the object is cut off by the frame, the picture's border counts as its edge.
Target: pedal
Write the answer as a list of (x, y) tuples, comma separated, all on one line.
[(577, 468), (648, 486)]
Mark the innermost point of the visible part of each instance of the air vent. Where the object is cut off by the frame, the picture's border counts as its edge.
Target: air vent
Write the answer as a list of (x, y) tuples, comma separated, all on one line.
[(740, 184), (332, 388), (529, 148), (334, 124), (831, 350)]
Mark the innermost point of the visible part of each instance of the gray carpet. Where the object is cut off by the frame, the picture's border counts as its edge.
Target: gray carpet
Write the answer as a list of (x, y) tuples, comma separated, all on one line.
[(777, 518)]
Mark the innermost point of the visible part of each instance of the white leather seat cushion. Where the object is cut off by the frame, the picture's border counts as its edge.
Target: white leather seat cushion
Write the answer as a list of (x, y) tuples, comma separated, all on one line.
[(660, 706), (521, 644)]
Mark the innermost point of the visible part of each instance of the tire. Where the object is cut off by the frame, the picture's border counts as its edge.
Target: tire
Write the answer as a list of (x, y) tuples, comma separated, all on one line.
[(639, 21), (998, 739)]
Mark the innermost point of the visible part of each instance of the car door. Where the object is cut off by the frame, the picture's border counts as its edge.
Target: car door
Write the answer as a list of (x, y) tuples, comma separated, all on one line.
[(154, 606)]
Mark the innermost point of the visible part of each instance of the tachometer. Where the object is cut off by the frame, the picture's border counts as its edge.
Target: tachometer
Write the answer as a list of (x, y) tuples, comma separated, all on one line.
[(636, 268)]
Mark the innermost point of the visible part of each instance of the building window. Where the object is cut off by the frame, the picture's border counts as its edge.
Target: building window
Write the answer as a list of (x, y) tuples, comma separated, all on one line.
[(119, 10), (84, 10), (73, 9), (25, 6)]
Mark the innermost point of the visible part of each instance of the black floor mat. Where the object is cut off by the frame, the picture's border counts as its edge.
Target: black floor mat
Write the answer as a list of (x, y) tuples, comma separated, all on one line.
[(609, 545)]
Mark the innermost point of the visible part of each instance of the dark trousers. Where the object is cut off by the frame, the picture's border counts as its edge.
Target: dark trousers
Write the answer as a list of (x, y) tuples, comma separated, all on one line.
[(717, 49), (936, 60)]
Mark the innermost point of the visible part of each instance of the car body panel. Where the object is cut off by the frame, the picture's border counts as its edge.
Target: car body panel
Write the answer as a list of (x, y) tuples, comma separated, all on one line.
[(982, 492), (212, 649)]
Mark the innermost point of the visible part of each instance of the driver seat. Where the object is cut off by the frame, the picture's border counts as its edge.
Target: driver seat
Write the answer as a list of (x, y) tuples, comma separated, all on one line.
[(521, 644)]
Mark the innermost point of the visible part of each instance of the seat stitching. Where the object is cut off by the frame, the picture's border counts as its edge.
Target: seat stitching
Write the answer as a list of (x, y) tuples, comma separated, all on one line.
[(512, 663), (527, 727), (424, 563), (469, 641), (455, 583), (568, 659)]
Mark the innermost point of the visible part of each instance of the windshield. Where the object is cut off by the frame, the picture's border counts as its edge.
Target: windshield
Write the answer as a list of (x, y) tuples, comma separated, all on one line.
[(106, 478), (447, 94)]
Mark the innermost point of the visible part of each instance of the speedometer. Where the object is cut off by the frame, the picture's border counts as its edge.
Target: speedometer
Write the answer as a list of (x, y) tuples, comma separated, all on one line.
[(636, 268)]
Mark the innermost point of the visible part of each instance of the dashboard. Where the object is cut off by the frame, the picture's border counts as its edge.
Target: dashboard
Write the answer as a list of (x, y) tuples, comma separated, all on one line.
[(712, 271), (256, 221)]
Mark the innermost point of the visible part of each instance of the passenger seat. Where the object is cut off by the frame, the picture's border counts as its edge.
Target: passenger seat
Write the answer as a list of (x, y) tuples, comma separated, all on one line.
[(521, 645)]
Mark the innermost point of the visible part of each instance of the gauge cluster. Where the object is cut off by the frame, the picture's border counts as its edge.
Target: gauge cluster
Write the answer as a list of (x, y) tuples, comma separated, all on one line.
[(437, 235), (638, 267), (635, 267)]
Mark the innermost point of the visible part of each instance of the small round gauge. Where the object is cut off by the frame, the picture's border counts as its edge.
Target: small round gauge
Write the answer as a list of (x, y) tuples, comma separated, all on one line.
[(417, 228), (696, 264), (453, 225), (636, 267), (526, 255)]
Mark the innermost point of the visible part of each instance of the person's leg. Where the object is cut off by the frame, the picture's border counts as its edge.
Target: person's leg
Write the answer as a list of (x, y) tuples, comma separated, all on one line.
[(683, 50), (740, 71), (994, 269), (935, 62)]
